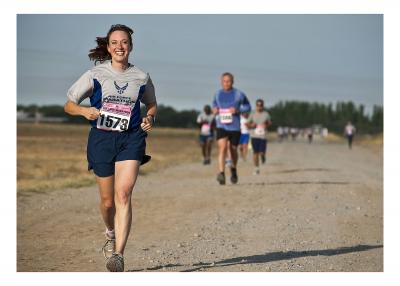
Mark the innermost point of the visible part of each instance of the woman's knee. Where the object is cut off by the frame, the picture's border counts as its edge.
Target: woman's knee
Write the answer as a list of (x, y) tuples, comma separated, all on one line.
[(123, 193), (123, 197), (107, 203)]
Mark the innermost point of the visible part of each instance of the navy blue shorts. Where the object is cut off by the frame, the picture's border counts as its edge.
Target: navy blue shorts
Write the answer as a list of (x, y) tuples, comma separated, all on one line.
[(204, 138), (244, 138), (259, 145), (104, 148)]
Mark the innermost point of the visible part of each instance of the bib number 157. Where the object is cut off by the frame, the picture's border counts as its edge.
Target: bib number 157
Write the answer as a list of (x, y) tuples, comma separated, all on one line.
[(113, 122)]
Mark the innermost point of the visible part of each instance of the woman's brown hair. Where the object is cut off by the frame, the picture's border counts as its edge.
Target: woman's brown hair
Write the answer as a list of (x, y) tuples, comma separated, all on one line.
[(100, 53)]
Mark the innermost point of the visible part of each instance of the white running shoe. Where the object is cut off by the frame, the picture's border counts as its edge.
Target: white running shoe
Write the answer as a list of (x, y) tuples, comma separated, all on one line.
[(109, 246)]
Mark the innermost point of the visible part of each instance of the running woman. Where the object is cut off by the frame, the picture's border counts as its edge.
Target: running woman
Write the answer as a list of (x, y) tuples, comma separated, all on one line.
[(259, 120), (349, 131), (117, 140), (206, 124), (228, 103), (244, 136)]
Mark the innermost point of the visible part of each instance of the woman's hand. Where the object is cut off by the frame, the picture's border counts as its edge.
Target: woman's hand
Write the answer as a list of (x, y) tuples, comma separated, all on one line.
[(72, 108), (147, 123), (91, 113)]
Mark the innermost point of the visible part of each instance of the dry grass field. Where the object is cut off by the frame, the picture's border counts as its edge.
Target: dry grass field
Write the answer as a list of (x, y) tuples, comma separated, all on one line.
[(53, 156)]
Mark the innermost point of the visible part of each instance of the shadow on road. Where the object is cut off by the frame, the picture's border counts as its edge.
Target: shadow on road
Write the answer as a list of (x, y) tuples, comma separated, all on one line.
[(299, 183), (281, 255), (303, 170), (264, 258)]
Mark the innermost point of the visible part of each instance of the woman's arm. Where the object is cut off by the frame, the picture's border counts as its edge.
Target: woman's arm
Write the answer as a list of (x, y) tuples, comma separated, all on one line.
[(148, 120), (90, 113)]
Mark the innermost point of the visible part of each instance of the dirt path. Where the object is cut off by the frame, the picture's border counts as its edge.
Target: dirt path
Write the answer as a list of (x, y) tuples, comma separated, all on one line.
[(314, 207)]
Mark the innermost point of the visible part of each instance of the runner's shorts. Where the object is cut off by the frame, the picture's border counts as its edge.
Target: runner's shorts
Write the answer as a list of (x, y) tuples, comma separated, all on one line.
[(244, 138), (104, 148), (204, 138), (259, 145), (233, 136)]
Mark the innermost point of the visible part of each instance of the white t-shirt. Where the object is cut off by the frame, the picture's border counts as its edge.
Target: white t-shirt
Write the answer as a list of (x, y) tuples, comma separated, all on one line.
[(243, 127), (207, 120), (116, 93)]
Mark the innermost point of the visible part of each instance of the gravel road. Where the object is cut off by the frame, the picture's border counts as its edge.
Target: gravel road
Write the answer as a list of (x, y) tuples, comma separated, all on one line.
[(316, 207)]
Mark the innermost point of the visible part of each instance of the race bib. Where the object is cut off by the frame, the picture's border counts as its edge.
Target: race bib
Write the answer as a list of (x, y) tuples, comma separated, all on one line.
[(260, 130), (205, 129), (225, 116), (114, 117)]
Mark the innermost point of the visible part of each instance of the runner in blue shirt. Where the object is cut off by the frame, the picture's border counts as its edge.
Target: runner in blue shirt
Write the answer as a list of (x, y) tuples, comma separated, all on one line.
[(228, 103)]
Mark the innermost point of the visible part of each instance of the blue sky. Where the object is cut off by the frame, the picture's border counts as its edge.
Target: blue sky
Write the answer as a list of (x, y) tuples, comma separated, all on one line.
[(324, 58)]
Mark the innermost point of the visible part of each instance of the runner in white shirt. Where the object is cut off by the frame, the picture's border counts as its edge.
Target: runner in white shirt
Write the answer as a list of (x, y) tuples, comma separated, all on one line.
[(259, 121), (349, 131), (206, 122), (244, 135), (116, 143)]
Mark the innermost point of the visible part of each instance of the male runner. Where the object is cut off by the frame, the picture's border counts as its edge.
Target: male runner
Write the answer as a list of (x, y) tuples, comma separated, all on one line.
[(259, 120), (228, 103), (349, 131)]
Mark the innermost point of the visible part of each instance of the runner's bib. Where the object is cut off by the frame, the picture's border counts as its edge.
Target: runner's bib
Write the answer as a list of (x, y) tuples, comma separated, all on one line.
[(225, 116), (114, 117), (205, 129), (260, 130)]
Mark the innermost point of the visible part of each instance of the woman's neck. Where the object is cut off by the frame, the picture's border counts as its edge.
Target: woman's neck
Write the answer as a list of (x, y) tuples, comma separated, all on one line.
[(120, 66)]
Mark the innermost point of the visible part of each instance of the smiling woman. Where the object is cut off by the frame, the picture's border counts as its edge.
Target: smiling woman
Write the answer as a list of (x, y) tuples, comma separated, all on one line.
[(117, 140), (103, 50)]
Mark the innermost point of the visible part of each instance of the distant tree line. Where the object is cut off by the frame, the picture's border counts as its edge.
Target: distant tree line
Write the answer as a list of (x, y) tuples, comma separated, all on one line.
[(289, 113), (304, 114)]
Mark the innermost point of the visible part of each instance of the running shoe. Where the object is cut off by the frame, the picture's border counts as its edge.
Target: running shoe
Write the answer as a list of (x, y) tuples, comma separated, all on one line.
[(234, 176), (256, 171), (115, 263), (108, 247), (221, 178)]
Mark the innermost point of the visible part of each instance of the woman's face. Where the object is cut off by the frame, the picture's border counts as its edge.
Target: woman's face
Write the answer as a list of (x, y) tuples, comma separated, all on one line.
[(119, 47)]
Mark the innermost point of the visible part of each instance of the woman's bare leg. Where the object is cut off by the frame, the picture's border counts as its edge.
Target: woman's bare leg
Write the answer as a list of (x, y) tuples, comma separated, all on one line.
[(107, 207), (126, 173)]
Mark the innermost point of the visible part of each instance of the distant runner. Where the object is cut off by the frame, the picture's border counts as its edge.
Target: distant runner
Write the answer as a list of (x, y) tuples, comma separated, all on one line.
[(244, 136), (349, 131), (280, 133), (259, 120), (310, 134), (206, 122), (228, 103), (117, 140)]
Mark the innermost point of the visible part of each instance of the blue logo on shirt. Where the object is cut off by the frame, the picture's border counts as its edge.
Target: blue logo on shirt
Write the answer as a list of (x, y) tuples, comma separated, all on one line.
[(120, 89)]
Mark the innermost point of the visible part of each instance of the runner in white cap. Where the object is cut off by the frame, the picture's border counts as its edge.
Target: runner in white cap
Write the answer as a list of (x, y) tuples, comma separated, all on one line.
[(117, 140)]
